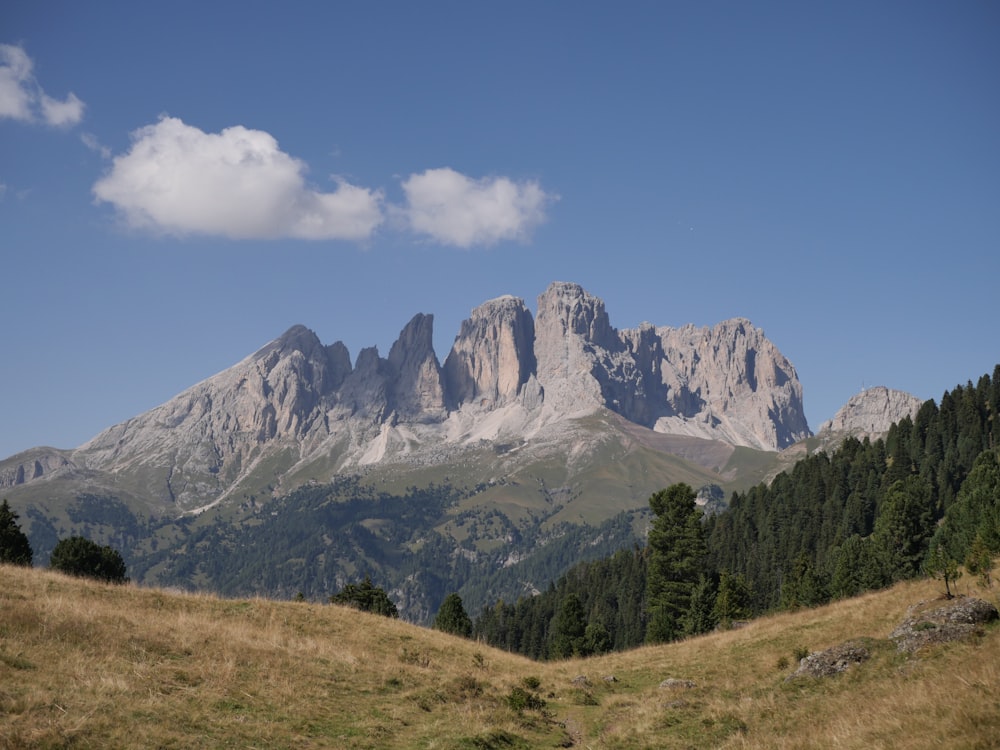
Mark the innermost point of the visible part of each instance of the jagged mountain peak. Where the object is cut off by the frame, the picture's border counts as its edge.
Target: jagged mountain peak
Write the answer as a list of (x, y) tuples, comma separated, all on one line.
[(510, 377)]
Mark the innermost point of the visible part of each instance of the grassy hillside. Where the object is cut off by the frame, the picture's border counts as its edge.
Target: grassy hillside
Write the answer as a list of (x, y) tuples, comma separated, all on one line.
[(88, 665)]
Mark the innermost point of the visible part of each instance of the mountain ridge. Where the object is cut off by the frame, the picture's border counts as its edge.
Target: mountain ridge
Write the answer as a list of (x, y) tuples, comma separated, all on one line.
[(510, 377)]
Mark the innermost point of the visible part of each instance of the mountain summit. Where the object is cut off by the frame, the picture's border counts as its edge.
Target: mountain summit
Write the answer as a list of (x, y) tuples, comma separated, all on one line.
[(298, 410)]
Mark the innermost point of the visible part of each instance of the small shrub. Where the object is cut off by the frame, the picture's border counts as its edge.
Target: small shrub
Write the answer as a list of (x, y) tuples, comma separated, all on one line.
[(782, 664), (520, 700), (465, 688), (531, 682), (800, 653), (496, 740), (414, 658), (584, 698)]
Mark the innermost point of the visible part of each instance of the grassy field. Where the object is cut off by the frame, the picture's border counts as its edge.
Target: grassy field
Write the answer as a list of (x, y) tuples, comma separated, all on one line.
[(88, 665)]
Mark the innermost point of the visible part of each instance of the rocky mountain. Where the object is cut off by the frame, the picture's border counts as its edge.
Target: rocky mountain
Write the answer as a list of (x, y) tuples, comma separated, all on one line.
[(871, 412), (297, 409)]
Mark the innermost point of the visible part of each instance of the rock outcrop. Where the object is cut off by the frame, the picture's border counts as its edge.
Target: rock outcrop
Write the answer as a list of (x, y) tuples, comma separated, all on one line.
[(834, 660), (927, 624), (872, 412)]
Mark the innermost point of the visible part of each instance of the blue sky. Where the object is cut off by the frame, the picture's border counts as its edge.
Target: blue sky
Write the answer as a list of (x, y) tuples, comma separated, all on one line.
[(181, 182)]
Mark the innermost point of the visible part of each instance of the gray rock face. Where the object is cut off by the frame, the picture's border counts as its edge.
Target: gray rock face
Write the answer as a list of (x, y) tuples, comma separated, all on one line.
[(417, 388), (508, 378), (727, 382), (573, 338), (493, 355), (872, 412)]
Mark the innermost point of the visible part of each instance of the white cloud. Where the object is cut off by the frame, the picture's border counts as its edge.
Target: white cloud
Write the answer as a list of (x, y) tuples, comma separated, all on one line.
[(60, 113), (236, 183), (90, 141), (21, 98), (457, 210)]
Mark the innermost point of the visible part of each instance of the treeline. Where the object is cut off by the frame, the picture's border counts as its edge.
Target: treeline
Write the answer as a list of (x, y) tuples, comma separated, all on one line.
[(861, 518)]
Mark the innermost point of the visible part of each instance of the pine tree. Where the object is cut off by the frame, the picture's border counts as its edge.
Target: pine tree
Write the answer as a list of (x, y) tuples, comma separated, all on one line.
[(857, 567), (452, 617), (942, 565), (366, 597), (700, 617), (904, 526), (803, 585), (80, 556), (569, 629), (979, 561), (677, 553), (733, 600), (14, 546)]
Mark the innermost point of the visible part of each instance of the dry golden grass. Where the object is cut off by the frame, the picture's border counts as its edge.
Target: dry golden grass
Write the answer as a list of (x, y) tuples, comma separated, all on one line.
[(88, 665)]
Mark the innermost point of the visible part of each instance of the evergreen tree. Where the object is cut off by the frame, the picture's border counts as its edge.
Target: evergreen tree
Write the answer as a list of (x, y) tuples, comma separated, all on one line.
[(596, 639), (976, 510), (569, 629), (803, 585), (700, 615), (979, 561), (904, 526), (857, 567), (452, 617), (80, 556), (14, 546), (677, 553), (366, 597), (733, 600), (942, 565)]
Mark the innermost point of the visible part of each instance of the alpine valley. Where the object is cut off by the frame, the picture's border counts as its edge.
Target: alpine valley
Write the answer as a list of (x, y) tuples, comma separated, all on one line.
[(534, 445)]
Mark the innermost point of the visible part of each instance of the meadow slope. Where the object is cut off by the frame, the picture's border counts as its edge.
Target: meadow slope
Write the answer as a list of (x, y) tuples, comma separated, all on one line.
[(84, 664)]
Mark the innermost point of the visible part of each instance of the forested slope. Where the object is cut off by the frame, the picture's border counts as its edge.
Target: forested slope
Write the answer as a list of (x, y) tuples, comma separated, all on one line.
[(860, 518)]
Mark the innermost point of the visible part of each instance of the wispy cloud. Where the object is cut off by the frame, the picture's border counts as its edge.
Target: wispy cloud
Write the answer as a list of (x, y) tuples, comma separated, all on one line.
[(22, 98), (457, 210), (91, 141), (236, 183)]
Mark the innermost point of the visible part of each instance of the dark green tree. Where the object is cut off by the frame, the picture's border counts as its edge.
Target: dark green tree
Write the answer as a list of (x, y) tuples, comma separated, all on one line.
[(904, 526), (452, 617), (803, 585), (14, 546), (677, 552), (80, 556), (366, 597), (733, 602), (979, 561), (569, 629), (857, 567), (700, 616), (976, 510), (597, 639)]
